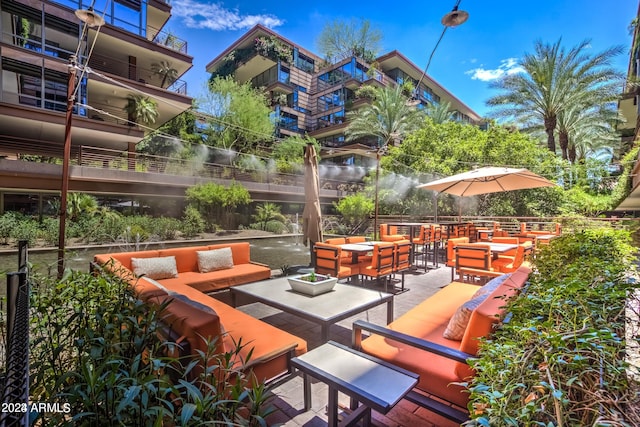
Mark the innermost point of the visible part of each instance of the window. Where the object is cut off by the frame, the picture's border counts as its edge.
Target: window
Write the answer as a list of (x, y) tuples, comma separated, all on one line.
[(303, 62)]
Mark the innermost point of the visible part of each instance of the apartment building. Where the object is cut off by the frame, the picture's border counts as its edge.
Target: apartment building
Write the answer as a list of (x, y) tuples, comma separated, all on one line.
[(130, 55), (629, 109), (310, 96)]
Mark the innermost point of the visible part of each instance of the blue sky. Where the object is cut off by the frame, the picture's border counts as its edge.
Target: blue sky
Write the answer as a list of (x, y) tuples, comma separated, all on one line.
[(488, 45)]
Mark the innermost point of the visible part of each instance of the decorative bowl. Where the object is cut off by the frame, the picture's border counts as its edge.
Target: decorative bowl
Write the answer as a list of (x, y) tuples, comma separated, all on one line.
[(321, 285)]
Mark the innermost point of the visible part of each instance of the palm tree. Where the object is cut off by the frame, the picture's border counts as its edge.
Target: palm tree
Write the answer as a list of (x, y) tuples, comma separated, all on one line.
[(268, 212), (388, 118), (440, 113), (585, 129), (141, 109), (555, 79), (165, 72)]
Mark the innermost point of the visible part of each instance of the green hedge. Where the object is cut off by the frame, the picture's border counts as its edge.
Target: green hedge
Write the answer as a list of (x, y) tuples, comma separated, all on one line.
[(560, 359)]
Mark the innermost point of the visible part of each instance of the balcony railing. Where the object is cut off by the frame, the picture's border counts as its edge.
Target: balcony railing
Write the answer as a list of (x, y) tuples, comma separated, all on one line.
[(167, 39), (123, 160), (123, 69)]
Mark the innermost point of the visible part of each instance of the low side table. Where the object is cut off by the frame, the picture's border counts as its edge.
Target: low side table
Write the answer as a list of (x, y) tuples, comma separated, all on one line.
[(373, 382)]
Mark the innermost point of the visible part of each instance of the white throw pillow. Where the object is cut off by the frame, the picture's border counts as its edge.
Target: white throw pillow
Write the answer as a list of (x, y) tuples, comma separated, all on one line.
[(215, 259), (155, 268), (460, 319)]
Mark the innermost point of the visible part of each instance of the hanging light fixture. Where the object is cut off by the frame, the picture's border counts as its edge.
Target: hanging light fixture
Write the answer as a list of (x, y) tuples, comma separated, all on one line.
[(90, 17), (452, 19)]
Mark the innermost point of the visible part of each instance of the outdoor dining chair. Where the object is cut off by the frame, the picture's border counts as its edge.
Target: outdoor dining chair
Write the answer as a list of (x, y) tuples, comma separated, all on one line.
[(451, 254), (507, 264), (473, 263), (329, 261), (381, 265), (402, 258)]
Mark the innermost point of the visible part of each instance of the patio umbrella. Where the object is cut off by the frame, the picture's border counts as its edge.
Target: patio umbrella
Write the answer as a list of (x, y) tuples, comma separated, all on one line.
[(487, 180), (311, 216)]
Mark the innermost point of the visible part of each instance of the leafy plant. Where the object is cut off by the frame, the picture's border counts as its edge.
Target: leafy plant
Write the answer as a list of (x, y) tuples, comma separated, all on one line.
[(165, 71), (561, 359), (141, 109), (98, 349), (192, 222)]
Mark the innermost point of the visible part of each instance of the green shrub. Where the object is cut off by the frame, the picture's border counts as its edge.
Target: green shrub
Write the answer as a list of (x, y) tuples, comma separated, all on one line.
[(192, 223), (49, 231), (164, 228), (8, 222), (26, 229), (560, 360), (96, 347)]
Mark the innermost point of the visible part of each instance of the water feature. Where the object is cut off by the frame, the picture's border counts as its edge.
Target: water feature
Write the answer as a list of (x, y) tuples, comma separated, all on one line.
[(274, 251)]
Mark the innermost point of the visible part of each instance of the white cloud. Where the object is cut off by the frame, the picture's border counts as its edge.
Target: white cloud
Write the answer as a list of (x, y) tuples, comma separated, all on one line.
[(507, 67), (215, 16)]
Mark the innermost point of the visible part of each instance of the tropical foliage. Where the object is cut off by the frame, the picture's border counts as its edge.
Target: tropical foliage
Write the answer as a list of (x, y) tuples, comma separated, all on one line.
[(556, 82), (165, 71), (289, 153), (97, 348), (388, 119), (141, 109), (268, 217), (240, 116), (343, 39), (217, 203), (561, 360), (437, 150)]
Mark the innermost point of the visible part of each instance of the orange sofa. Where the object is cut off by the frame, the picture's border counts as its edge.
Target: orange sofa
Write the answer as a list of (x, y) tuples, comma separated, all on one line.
[(194, 317), (415, 341)]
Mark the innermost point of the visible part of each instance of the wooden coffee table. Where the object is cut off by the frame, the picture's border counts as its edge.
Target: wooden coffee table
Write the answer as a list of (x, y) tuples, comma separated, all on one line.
[(326, 309)]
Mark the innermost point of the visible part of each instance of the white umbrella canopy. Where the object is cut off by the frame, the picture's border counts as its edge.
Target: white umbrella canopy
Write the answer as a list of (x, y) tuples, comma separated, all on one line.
[(487, 180)]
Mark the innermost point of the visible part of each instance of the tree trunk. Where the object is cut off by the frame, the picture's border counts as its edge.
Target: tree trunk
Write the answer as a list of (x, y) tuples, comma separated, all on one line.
[(563, 138), (572, 154), (549, 128)]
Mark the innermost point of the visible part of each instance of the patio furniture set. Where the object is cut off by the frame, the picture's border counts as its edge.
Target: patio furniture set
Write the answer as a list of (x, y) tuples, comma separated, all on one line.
[(395, 362)]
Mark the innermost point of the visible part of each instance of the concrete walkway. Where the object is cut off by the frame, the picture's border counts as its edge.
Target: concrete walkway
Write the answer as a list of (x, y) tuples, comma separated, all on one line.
[(289, 396)]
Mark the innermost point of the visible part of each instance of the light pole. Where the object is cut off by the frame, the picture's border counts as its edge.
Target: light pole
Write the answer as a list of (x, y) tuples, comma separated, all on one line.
[(90, 19)]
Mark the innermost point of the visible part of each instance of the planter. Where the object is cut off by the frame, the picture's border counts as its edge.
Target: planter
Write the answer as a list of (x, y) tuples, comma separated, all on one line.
[(321, 285)]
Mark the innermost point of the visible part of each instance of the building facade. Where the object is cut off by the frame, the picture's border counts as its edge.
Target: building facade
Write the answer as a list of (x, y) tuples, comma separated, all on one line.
[(130, 55), (310, 96)]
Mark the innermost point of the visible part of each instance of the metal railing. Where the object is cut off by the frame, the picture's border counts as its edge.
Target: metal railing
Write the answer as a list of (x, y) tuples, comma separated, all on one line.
[(123, 69), (15, 380), (167, 39), (123, 160)]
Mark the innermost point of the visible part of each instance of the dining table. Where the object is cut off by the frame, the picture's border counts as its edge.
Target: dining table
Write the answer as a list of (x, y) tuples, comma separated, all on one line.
[(356, 249)]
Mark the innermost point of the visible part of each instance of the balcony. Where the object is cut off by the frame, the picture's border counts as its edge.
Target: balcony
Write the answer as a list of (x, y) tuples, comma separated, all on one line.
[(158, 75), (167, 39)]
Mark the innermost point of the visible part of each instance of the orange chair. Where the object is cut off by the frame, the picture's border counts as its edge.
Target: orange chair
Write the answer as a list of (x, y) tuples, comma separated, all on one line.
[(381, 263), (421, 243), (474, 262), (508, 240), (329, 261), (389, 233), (361, 257), (451, 254), (402, 258), (356, 239), (510, 264), (346, 257), (336, 241)]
